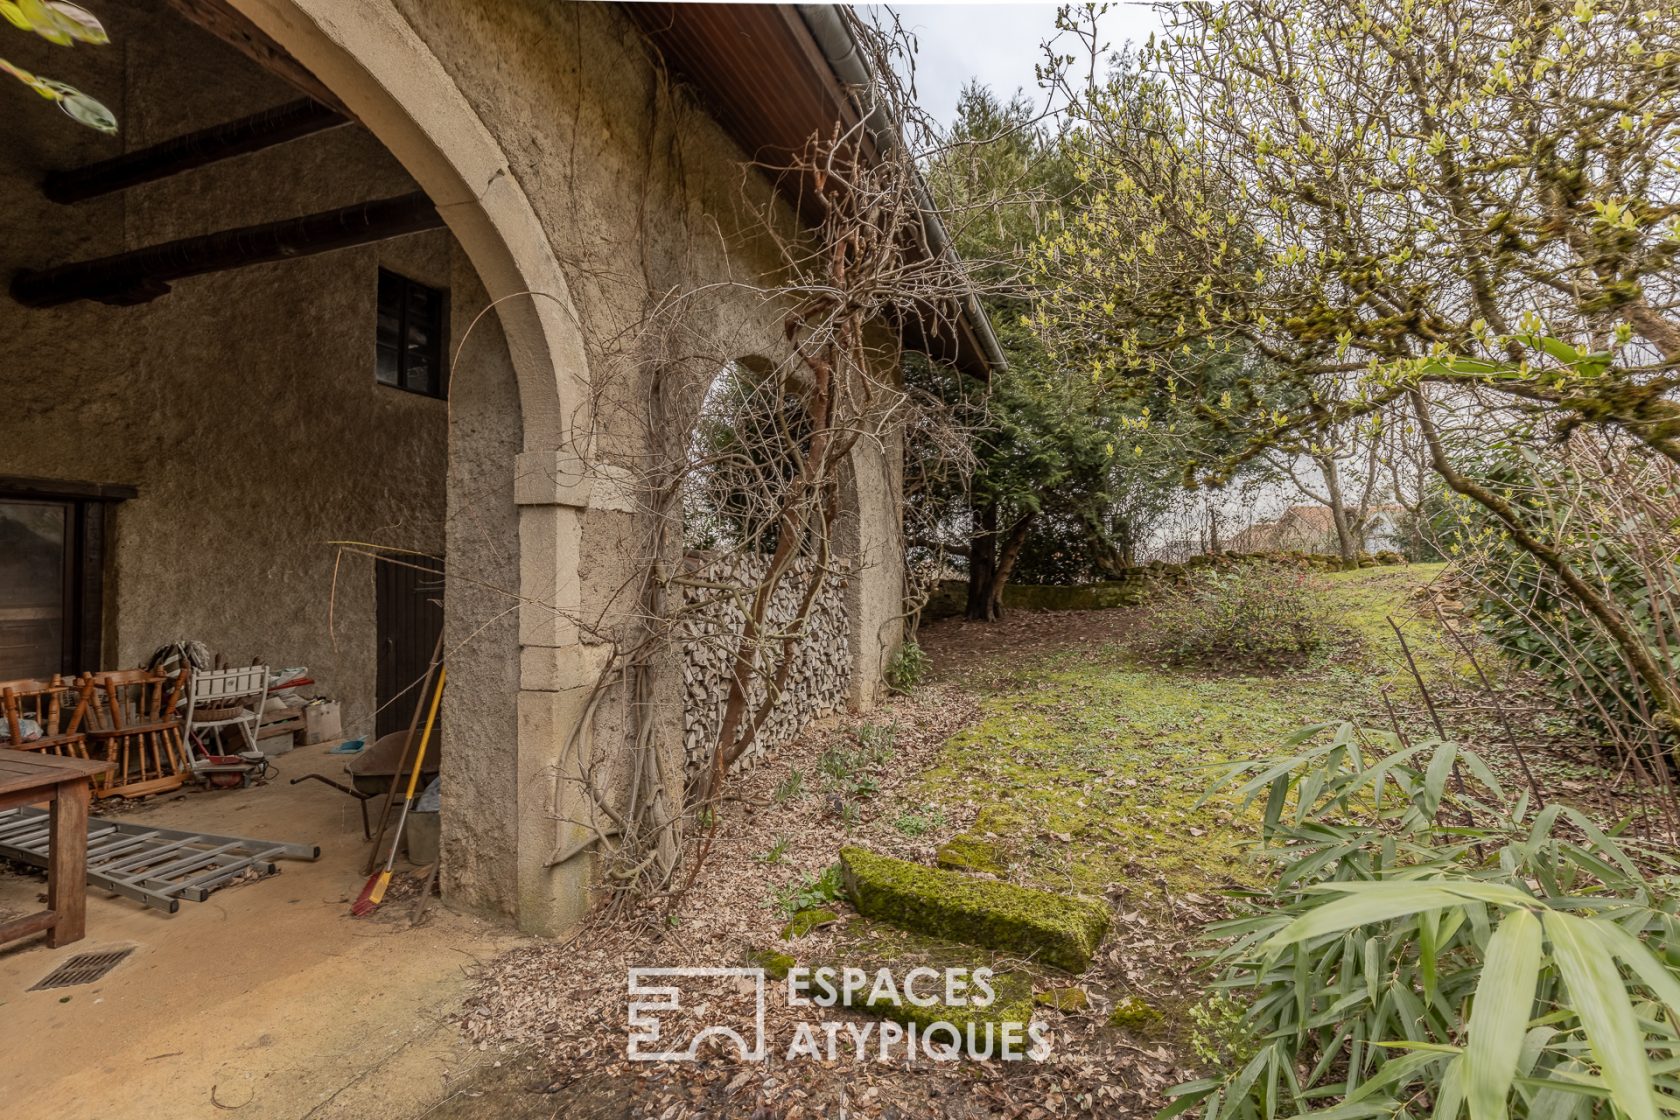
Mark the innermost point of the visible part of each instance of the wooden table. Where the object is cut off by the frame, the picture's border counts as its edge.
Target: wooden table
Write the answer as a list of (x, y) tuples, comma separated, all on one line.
[(28, 778)]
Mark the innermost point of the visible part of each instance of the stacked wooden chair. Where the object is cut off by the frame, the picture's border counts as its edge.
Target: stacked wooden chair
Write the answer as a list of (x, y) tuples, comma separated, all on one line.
[(134, 721), (53, 710)]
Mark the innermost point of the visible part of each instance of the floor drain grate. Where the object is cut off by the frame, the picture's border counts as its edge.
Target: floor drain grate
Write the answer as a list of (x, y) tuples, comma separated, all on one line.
[(83, 968)]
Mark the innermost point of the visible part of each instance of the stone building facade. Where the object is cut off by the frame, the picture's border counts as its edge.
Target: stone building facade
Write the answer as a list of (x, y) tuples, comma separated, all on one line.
[(601, 221)]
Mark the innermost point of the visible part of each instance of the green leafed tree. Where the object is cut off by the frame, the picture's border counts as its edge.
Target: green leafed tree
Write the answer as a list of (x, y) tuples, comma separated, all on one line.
[(1066, 480), (1389, 202)]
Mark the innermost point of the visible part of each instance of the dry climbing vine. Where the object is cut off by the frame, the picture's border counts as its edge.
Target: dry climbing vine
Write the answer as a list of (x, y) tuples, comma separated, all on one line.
[(767, 490)]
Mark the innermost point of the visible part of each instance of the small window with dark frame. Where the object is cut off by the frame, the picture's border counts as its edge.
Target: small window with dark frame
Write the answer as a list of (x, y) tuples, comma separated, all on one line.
[(410, 343)]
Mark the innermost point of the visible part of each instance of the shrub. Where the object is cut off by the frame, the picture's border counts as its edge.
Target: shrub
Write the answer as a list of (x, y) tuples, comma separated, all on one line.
[(1422, 949), (845, 767), (789, 787), (1248, 614), (921, 823), (773, 854), (908, 667)]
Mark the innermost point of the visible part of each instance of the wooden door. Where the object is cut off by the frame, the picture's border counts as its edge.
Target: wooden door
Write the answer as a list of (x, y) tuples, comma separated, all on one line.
[(409, 596), (52, 574)]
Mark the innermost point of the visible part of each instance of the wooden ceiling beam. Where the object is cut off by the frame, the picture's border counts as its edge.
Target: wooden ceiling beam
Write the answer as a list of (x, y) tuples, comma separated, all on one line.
[(141, 275), (220, 19), (192, 150)]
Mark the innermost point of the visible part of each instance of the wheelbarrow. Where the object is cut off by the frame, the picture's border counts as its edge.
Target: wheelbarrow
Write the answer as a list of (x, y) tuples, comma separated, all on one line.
[(373, 770)]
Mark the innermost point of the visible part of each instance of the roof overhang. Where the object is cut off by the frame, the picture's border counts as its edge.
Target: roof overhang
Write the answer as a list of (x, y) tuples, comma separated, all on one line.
[(776, 74)]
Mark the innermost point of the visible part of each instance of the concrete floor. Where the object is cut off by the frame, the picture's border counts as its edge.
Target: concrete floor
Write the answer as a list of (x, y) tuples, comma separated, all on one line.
[(268, 998)]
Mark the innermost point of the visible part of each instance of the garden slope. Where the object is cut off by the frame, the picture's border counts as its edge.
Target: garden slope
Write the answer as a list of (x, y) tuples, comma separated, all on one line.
[(1086, 766)]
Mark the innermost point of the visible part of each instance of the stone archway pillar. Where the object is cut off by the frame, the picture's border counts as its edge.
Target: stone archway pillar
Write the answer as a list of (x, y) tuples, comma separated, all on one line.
[(558, 674), (869, 539)]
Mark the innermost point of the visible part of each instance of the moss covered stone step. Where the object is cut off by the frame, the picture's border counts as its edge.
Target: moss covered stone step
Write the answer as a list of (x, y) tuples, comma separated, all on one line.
[(1058, 930), (967, 852)]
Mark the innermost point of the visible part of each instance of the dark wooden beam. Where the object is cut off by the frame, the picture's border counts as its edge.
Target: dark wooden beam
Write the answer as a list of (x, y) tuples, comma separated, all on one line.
[(193, 150), (53, 488), (144, 274), (219, 19)]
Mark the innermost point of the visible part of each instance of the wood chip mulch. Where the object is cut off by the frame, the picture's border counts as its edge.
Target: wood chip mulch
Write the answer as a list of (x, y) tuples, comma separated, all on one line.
[(558, 1010)]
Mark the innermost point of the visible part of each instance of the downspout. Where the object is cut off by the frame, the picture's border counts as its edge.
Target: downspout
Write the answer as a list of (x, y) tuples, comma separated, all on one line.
[(835, 40)]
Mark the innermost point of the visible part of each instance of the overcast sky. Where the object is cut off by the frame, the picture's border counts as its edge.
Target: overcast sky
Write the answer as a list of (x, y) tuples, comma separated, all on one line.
[(996, 43)]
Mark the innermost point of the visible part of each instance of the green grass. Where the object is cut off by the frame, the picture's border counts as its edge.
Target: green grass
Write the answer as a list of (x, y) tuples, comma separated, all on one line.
[(1089, 763)]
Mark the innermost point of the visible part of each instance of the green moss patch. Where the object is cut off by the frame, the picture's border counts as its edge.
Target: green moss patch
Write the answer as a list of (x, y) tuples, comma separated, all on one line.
[(774, 964), (1053, 929), (807, 920), (1063, 999), (1134, 1016), (1088, 764), (951, 597), (968, 852)]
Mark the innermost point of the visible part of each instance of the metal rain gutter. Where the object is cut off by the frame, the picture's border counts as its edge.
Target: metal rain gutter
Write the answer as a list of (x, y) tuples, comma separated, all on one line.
[(836, 42)]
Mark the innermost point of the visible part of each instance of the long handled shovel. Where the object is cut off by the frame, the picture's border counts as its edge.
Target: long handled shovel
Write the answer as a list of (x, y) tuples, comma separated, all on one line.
[(374, 891)]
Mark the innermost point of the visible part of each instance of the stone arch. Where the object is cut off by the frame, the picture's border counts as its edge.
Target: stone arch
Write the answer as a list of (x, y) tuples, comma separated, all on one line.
[(387, 75), (376, 64)]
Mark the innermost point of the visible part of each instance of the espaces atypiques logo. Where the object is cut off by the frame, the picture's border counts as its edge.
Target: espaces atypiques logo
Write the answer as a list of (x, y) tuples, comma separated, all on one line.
[(673, 1012)]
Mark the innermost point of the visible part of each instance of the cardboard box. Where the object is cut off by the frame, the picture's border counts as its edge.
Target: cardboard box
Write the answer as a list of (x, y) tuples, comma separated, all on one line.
[(322, 723)]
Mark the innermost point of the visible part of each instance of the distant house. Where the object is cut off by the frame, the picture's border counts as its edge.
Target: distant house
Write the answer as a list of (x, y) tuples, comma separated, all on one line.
[(1310, 528)]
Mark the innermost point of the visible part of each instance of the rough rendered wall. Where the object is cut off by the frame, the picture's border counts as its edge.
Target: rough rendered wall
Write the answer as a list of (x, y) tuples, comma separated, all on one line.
[(817, 680), (870, 532), (481, 621), (242, 404)]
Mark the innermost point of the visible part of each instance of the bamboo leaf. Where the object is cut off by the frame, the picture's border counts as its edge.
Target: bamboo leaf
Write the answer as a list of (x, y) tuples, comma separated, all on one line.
[(1499, 1017), (1362, 907), (1633, 953), (1598, 997), (1450, 1100)]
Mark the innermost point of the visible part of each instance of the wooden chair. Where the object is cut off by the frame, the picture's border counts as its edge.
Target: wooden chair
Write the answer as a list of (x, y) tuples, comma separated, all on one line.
[(57, 706), (133, 723)]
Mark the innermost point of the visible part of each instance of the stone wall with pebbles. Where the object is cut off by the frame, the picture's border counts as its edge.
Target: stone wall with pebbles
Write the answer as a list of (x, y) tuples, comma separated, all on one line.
[(710, 634)]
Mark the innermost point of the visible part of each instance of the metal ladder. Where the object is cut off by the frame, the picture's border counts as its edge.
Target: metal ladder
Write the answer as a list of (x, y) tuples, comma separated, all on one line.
[(156, 866)]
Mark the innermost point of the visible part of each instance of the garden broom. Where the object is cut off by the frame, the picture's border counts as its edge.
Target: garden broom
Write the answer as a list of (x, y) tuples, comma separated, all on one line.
[(374, 890)]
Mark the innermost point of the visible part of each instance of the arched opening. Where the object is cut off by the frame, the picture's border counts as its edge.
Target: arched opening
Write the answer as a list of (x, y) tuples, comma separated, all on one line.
[(758, 560), (222, 454), (745, 451), (508, 624)]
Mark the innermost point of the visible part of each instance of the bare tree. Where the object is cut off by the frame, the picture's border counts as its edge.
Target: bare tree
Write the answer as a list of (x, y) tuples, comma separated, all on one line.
[(1425, 197)]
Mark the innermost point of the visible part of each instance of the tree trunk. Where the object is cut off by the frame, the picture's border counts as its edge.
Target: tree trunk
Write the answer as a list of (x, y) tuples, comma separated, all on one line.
[(1013, 543), (1114, 550), (982, 563), (1608, 614), (1346, 546)]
